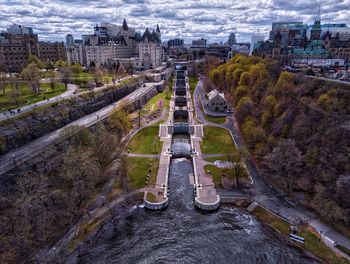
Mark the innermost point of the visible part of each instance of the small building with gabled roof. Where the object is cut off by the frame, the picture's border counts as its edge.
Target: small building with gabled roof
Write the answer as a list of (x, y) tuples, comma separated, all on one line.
[(216, 101)]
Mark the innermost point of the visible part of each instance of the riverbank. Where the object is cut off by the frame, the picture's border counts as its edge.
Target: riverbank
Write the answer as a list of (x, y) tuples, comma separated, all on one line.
[(313, 242)]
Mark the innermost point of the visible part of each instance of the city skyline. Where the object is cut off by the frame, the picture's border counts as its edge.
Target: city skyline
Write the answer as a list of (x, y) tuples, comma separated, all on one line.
[(53, 20)]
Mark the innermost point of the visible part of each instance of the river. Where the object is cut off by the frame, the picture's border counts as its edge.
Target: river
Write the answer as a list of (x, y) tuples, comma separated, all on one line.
[(182, 234)]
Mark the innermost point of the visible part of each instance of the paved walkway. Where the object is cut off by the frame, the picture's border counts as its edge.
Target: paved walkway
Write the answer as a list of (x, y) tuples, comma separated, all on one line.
[(32, 149), (205, 187), (263, 193)]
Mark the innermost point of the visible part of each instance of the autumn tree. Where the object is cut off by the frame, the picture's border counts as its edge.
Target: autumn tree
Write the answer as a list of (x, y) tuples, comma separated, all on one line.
[(119, 121), (244, 108), (52, 80), (76, 69), (98, 76), (32, 75), (34, 59)]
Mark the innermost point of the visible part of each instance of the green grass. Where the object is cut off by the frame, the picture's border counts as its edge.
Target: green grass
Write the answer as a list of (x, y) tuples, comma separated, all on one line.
[(317, 247), (171, 83), (222, 158), (193, 83), (217, 120), (218, 173), (343, 249), (83, 76), (276, 222), (137, 169), (217, 141), (155, 103), (26, 96), (151, 197), (146, 141)]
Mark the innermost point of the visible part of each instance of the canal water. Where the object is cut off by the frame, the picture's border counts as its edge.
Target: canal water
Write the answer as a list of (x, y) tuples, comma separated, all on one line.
[(182, 234)]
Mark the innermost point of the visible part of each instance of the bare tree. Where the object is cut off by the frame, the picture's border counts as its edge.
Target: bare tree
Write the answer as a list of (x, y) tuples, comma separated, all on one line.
[(66, 75), (106, 146)]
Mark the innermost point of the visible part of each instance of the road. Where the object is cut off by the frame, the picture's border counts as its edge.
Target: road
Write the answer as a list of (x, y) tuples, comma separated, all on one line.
[(71, 88), (35, 147), (328, 79), (261, 192)]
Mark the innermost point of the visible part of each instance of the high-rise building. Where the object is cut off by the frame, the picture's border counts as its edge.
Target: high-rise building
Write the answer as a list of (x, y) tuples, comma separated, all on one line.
[(254, 39), (175, 43), (69, 40), (290, 32), (231, 39), (199, 42)]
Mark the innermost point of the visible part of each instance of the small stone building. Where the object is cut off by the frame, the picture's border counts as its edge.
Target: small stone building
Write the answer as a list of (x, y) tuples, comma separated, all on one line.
[(216, 101)]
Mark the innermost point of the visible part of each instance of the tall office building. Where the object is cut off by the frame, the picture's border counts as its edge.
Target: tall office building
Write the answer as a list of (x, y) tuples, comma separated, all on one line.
[(69, 40), (255, 38), (175, 43), (231, 39)]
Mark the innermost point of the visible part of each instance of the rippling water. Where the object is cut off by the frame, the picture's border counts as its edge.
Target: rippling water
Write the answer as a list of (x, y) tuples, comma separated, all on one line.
[(182, 234)]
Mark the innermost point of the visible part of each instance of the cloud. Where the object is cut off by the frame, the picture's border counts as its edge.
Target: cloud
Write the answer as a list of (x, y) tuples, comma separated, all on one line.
[(188, 19)]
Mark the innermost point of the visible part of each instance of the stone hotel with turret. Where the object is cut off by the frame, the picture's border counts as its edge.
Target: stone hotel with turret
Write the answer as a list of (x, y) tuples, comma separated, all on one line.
[(117, 44)]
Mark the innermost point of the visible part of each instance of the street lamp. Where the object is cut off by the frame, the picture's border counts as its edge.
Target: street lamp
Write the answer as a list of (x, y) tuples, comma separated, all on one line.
[(54, 253)]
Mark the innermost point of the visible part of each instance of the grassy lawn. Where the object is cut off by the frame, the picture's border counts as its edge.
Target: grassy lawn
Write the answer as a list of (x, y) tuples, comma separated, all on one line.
[(312, 242), (158, 102), (344, 249), (151, 197), (193, 83), (218, 173), (26, 96), (171, 83), (137, 169), (217, 141), (217, 120), (146, 141), (269, 218), (84, 76)]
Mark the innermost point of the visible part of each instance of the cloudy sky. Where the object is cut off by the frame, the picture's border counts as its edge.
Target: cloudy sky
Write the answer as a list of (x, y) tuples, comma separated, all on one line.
[(188, 19)]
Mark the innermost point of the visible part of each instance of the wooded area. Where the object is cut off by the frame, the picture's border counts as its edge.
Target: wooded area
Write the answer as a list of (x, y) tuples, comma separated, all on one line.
[(50, 196), (297, 129)]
